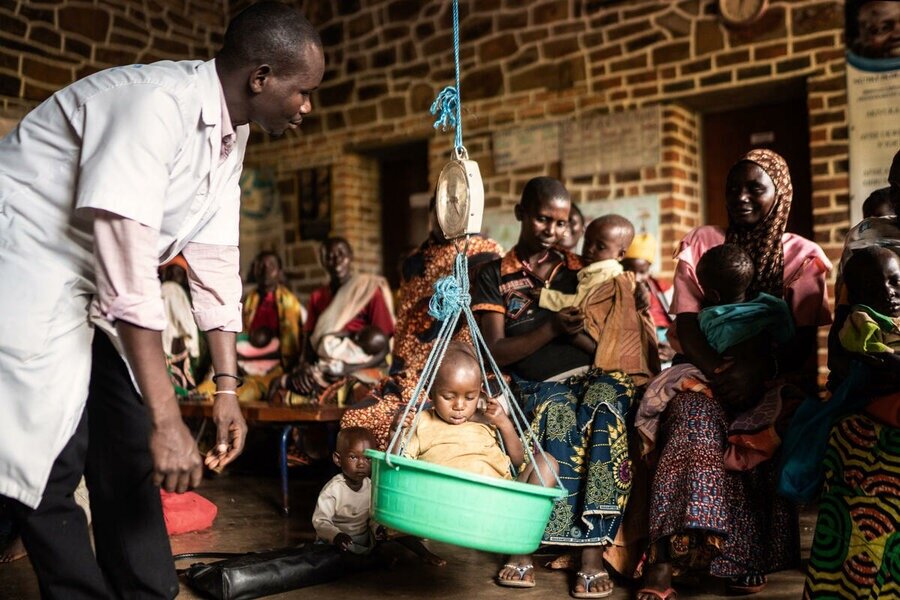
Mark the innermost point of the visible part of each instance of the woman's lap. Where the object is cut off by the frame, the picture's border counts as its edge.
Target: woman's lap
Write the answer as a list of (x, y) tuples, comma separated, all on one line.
[(705, 516), (581, 423)]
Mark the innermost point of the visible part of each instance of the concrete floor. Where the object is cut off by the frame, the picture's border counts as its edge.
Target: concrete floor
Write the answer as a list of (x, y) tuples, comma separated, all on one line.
[(249, 520)]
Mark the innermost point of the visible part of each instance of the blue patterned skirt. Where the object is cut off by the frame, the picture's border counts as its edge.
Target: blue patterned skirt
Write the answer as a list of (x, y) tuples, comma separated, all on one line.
[(581, 422)]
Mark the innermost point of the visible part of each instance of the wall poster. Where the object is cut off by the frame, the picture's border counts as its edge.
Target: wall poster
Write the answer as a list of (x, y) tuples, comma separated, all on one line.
[(873, 95)]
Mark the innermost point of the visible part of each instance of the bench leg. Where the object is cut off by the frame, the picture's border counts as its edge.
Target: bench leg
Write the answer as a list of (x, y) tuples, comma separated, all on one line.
[(285, 504)]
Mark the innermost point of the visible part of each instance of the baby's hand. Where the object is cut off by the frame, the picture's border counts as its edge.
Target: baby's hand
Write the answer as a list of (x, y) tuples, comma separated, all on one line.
[(494, 413), (342, 541), (405, 423)]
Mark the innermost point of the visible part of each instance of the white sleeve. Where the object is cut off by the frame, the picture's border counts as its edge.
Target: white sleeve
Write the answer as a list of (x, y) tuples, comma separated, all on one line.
[(215, 281), (323, 516), (130, 137)]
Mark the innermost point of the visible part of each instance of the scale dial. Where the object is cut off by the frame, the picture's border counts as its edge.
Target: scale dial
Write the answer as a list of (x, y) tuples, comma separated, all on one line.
[(459, 202)]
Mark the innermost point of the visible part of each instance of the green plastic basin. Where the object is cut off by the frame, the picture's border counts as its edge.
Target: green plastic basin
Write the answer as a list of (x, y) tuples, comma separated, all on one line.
[(460, 508)]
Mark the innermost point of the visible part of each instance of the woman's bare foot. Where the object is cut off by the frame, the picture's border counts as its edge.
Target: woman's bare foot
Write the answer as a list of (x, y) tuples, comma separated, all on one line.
[(13, 551), (592, 578), (517, 572), (657, 577)]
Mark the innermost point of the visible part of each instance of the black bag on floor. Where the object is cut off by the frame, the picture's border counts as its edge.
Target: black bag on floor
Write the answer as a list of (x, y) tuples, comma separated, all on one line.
[(256, 574)]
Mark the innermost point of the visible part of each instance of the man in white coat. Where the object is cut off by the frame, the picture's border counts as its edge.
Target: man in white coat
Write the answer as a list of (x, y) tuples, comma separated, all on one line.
[(110, 177)]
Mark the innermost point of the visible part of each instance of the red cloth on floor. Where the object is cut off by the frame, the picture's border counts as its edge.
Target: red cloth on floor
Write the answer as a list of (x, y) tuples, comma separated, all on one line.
[(187, 512)]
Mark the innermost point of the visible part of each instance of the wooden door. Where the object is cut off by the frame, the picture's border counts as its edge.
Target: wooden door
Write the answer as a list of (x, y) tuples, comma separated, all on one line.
[(403, 173), (782, 127)]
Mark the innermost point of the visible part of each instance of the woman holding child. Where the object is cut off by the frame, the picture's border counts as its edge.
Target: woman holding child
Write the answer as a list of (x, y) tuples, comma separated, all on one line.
[(702, 516), (579, 413)]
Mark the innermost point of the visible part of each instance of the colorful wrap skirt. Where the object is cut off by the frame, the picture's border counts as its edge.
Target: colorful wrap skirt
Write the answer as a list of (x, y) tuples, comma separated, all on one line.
[(856, 548), (580, 421)]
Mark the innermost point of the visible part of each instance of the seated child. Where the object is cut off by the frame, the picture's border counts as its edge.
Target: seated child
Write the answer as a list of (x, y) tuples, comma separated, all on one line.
[(639, 259), (456, 432), (621, 333), (872, 329), (864, 356), (735, 326), (342, 510)]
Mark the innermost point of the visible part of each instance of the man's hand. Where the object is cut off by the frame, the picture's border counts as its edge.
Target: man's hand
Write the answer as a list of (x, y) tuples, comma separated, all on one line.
[(231, 432), (176, 460)]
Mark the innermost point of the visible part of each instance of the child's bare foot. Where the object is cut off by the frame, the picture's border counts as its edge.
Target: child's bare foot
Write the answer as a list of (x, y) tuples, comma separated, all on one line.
[(13, 551), (565, 561), (657, 583), (592, 581), (517, 572), (416, 546)]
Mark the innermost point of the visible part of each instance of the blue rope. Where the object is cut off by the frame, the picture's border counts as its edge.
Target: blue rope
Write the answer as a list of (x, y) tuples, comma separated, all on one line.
[(448, 102), (450, 301)]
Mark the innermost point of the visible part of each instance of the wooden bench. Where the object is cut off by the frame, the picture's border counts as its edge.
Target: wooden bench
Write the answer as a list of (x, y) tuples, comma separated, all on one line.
[(267, 414)]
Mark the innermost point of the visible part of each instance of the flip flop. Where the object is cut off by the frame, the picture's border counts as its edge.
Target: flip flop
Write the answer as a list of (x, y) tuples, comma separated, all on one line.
[(520, 582), (668, 594), (588, 579)]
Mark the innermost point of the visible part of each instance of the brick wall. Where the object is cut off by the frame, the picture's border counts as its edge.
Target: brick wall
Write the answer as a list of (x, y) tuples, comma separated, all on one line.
[(524, 62)]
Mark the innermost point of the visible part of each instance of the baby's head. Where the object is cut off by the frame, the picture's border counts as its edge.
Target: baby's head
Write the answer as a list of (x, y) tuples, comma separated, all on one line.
[(570, 239), (349, 453), (457, 385), (872, 277), (725, 272), (879, 204), (607, 237), (261, 336), (371, 339)]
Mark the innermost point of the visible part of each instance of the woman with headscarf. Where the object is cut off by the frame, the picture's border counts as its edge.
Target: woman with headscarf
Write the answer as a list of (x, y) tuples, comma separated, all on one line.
[(703, 517)]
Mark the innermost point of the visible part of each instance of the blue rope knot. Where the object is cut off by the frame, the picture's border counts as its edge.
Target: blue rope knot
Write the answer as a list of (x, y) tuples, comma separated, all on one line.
[(449, 298), (447, 103)]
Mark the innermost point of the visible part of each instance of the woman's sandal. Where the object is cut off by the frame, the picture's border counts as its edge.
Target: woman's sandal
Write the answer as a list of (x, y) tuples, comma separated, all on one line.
[(742, 585), (588, 579), (521, 582), (667, 594)]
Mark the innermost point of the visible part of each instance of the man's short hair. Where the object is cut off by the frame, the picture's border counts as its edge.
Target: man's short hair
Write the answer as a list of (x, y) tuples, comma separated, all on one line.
[(267, 32)]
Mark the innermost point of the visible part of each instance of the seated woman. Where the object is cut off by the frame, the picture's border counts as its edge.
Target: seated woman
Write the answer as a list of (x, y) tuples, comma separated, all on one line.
[(856, 540), (350, 304), (737, 528), (269, 344), (579, 413), (416, 329)]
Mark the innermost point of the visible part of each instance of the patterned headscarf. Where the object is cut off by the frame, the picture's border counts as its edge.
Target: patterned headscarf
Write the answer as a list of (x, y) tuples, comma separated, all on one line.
[(763, 241)]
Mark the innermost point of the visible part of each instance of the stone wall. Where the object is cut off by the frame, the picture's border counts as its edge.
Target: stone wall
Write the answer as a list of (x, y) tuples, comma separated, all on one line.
[(553, 60), (47, 45), (523, 63)]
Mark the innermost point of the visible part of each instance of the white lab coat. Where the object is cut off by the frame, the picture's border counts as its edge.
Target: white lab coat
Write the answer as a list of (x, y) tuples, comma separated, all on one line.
[(142, 142)]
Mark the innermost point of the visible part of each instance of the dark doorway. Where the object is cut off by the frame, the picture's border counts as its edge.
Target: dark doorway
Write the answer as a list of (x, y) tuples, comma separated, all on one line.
[(782, 127), (403, 174)]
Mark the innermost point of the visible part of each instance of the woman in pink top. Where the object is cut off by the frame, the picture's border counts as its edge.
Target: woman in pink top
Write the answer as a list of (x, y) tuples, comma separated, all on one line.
[(731, 523)]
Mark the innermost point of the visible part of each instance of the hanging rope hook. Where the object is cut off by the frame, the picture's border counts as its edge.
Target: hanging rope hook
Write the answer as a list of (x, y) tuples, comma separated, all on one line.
[(447, 104)]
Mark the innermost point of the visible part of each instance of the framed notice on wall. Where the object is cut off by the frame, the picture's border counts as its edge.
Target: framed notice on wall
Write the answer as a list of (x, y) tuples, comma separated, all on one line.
[(613, 143), (526, 147), (314, 202)]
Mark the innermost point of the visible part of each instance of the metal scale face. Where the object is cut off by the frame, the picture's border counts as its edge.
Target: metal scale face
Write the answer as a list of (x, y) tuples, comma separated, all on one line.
[(459, 202)]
